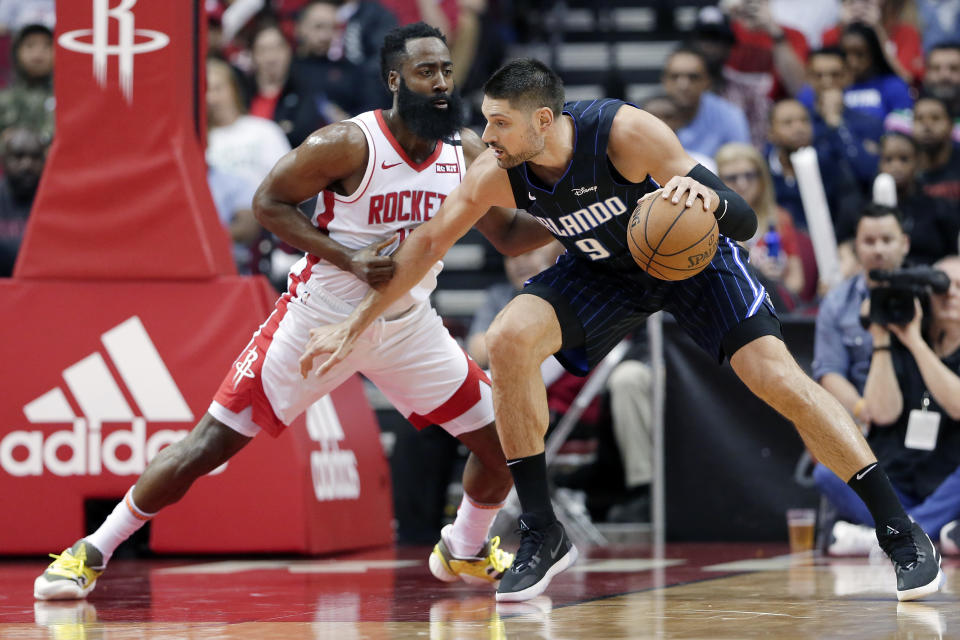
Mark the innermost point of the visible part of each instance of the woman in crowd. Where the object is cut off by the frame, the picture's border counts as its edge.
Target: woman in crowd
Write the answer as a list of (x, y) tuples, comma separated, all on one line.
[(776, 248)]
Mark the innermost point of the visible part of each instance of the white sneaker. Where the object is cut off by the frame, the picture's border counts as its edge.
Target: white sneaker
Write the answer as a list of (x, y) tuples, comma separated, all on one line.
[(950, 539), (852, 540)]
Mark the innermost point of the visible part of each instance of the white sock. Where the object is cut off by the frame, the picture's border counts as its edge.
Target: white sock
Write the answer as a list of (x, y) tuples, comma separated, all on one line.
[(119, 525), (471, 526)]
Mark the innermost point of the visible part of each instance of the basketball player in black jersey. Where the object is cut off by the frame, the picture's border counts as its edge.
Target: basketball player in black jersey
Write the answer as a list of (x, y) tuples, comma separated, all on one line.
[(580, 169)]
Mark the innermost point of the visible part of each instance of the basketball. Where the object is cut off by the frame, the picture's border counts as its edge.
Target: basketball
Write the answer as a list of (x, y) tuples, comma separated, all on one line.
[(672, 241)]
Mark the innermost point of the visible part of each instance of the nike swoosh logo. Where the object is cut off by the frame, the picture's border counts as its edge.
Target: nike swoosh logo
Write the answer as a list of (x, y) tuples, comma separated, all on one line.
[(512, 462), (384, 165), (866, 471), (531, 196), (553, 554)]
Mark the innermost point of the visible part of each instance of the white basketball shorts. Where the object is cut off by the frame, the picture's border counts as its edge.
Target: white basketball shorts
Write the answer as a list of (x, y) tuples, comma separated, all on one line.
[(413, 360)]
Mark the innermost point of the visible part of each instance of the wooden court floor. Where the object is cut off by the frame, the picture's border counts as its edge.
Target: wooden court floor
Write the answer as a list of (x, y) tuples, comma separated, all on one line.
[(692, 591)]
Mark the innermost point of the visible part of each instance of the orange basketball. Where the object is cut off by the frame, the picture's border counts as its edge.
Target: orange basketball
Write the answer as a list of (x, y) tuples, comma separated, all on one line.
[(672, 241)]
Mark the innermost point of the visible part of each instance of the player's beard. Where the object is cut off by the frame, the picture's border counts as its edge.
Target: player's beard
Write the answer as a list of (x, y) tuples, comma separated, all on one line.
[(511, 160), (424, 119)]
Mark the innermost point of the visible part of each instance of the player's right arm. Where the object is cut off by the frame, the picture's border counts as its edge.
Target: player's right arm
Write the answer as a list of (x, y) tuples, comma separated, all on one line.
[(484, 185), (327, 157)]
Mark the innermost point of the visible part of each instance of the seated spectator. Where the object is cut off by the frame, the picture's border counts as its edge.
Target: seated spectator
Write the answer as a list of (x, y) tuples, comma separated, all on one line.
[(246, 145), (939, 22), (22, 154), (664, 107), (233, 197), (939, 154), (851, 133), (900, 42), (774, 250), (28, 102), (842, 346), (338, 87), (362, 25), (767, 55), (941, 80), (933, 224), (713, 37), (278, 95), (707, 120), (912, 371), (876, 90), (790, 130)]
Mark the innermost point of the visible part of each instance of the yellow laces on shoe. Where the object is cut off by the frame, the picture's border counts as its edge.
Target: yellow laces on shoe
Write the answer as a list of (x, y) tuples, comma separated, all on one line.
[(71, 566), (500, 559)]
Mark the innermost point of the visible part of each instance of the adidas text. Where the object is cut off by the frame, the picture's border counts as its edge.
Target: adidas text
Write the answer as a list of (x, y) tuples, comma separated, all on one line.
[(84, 450)]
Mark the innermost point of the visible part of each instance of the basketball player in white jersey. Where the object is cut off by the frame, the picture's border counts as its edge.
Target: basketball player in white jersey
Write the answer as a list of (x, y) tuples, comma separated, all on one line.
[(379, 176)]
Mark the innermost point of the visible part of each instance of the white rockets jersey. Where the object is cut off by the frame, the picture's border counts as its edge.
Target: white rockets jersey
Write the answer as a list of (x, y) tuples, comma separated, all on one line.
[(395, 195)]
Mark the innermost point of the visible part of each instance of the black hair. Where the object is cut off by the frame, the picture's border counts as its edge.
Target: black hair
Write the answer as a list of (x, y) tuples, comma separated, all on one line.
[(951, 45), (926, 95), (898, 135), (876, 210), (776, 105), (690, 49), (879, 65), (527, 82), (394, 48), (832, 50), (262, 27)]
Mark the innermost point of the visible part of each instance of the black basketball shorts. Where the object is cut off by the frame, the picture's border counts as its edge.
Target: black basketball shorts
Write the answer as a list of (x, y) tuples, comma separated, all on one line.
[(722, 308)]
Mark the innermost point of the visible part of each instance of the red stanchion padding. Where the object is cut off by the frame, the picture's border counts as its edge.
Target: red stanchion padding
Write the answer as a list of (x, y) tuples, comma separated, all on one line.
[(101, 376), (124, 192)]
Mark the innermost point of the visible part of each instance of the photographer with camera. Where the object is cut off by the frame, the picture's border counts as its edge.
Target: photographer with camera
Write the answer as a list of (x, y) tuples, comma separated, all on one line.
[(906, 365)]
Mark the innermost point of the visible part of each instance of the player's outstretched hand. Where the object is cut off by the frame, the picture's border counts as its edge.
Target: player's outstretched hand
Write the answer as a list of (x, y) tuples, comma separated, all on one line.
[(371, 267), (337, 340), (686, 187)]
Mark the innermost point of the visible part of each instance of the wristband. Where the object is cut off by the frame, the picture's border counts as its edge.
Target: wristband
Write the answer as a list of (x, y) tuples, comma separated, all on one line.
[(885, 347)]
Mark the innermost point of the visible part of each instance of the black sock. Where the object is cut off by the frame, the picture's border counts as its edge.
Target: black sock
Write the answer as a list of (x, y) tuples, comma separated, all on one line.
[(530, 479), (873, 487)]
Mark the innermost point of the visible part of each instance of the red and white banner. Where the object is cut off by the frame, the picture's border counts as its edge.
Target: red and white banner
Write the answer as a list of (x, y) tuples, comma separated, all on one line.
[(100, 376), (124, 193)]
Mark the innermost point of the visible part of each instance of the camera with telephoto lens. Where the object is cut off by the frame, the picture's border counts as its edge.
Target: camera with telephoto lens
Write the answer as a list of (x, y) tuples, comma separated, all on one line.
[(891, 301)]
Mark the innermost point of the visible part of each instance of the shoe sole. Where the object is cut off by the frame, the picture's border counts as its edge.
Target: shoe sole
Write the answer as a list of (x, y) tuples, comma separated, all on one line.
[(536, 589), (439, 569), (925, 590), (44, 589)]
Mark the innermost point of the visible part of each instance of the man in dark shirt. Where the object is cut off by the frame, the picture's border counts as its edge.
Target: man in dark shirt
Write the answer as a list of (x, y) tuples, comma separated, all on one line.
[(939, 155), (22, 155)]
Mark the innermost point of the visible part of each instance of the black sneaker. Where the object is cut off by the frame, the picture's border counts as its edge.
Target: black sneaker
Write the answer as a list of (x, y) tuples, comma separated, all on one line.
[(915, 560), (545, 551)]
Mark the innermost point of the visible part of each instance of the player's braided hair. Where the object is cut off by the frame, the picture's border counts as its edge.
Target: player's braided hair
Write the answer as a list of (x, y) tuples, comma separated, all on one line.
[(394, 48)]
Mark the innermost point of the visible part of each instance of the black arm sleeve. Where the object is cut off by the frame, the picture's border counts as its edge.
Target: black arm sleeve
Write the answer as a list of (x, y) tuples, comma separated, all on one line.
[(734, 216)]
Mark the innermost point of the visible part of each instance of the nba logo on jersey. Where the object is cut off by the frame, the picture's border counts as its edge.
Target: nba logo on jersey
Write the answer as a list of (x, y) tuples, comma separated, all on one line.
[(447, 167)]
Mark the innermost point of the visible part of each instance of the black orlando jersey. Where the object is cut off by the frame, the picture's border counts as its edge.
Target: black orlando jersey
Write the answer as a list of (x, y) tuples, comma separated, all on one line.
[(589, 208)]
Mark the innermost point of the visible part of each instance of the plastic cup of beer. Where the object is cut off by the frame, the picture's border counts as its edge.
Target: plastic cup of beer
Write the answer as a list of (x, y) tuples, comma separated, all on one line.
[(800, 525)]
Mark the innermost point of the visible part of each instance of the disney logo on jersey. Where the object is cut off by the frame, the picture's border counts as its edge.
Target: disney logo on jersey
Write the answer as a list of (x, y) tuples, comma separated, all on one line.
[(579, 191), (582, 220), (447, 167), (404, 206)]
